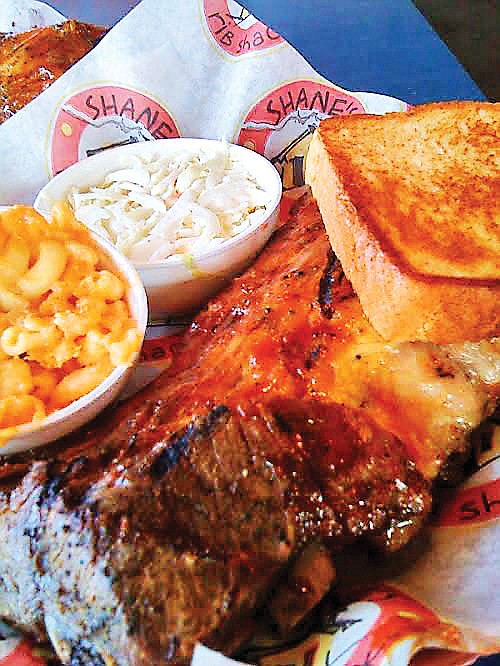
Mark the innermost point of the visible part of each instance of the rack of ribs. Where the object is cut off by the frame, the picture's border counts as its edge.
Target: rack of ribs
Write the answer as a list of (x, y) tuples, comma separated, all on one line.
[(31, 61), (284, 421)]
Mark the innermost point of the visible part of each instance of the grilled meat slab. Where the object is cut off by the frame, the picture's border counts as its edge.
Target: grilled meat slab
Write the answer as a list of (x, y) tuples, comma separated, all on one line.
[(31, 61), (284, 420)]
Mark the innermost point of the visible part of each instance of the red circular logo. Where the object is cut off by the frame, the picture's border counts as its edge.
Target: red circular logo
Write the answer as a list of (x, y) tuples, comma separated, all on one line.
[(235, 30), (280, 125), (103, 117)]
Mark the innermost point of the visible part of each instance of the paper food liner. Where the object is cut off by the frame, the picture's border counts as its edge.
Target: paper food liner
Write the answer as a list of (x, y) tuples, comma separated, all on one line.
[(207, 68)]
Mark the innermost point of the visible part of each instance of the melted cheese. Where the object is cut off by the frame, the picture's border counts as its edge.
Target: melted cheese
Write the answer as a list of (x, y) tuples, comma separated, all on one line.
[(422, 393)]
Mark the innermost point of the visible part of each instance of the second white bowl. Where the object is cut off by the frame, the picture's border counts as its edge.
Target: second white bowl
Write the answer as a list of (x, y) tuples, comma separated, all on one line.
[(78, 412), (178, 287)]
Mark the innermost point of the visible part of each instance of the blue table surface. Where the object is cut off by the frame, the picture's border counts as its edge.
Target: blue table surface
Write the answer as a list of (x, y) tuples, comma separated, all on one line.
[(383, 46)]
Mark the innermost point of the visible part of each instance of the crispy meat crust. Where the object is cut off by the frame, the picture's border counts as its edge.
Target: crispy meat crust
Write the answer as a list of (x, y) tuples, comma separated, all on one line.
[(31, 61)]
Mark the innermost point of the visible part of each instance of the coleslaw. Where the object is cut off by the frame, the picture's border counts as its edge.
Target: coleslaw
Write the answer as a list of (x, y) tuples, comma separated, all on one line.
[(155, 209)]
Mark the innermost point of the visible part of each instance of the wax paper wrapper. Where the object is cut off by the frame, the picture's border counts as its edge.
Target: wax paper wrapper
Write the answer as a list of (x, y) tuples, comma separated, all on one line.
[(207, 68), (201, 68)]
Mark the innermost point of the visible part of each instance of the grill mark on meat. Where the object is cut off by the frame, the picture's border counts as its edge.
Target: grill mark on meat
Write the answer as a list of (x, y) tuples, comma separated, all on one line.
[(312, 357), (334, 287), (81, 656), (179, 444), (58, 480)]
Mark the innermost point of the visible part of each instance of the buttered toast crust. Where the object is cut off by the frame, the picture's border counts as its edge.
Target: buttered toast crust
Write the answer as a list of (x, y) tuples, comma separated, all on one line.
[(410, 202)]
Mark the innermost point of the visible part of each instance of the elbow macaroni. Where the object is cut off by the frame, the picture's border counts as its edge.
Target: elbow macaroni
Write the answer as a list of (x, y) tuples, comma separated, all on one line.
[(64, 320)]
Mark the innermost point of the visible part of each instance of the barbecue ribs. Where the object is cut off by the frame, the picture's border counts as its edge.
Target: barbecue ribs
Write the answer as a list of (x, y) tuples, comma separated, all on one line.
[(284, 420), (31, 61)]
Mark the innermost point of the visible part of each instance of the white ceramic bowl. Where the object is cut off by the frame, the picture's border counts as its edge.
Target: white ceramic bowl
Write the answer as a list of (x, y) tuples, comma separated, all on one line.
[(173, 288), (65, 420)]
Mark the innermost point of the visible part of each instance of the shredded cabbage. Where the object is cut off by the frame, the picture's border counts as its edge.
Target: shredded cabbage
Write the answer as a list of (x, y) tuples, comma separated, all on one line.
[(157, 208)]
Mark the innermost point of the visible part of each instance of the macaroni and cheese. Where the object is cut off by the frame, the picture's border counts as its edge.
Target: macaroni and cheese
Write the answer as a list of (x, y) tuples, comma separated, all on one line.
[(65, 323)]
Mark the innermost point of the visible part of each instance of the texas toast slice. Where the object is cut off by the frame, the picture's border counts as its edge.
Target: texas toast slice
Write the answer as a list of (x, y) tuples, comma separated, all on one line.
[(411, 202)]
